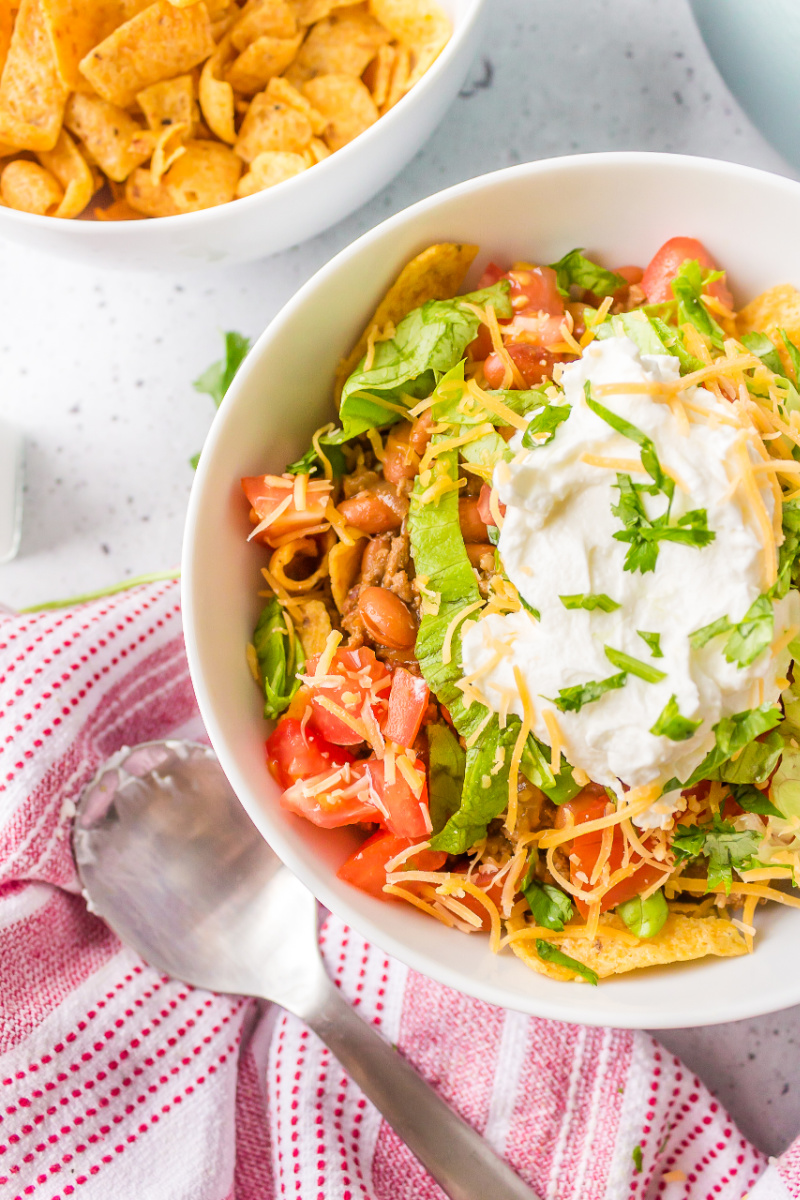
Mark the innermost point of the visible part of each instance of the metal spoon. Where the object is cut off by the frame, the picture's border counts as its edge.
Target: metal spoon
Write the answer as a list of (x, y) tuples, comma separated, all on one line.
[(169, 858)]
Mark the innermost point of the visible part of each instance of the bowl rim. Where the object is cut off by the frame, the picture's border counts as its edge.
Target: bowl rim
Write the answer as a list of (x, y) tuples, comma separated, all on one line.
[(93, 229), (730, 1007)]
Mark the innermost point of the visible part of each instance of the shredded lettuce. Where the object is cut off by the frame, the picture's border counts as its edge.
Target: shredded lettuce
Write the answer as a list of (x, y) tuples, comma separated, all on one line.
[(650, 335), (217, 378), (485, 793), (753, 634), (752, 800), (687, 288), (547, 422), (427, 343), (280, 657), (446, 766), (535, 766), (551, 907), (550, 953), (732, 734)]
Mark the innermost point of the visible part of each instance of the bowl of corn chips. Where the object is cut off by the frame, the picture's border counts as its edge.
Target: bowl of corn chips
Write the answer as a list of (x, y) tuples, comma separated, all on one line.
[(286, 390), (164, 135)]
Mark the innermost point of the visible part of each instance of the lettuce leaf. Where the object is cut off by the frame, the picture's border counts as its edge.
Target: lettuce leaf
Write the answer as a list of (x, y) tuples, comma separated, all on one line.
[(427, 343), (650, 335), (551, 907), (446, 767), (687, 288), (550, 953), (733, 734), (279, 659), (217, 378), (485, 793), (573, 268), (535, 766)]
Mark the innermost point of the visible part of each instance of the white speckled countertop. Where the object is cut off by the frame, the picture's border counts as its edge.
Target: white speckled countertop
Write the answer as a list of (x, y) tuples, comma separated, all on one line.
[(96, 368)]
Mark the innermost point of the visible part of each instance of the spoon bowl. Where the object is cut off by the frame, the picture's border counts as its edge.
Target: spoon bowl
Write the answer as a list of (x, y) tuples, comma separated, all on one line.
[(171, 861)]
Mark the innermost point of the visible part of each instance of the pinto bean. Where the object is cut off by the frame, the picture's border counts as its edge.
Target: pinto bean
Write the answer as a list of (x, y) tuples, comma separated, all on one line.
[(472, 524), (421, 433), (377, 510), (376, 555), (401, 460), (477, 552), (386, 618)]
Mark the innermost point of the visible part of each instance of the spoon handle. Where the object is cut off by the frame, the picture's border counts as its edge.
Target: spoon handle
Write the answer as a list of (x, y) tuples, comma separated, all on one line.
[(459, 1159)]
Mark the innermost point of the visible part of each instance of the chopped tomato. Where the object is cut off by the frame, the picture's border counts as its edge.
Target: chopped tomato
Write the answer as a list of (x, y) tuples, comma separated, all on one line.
[(590, 805), (630, 274), (534, 363), (366, 868), (408, 701), (666, 263), (406, 814), (294, 753), (364, 681), (484, 506), (267, 493), (491, 276), (539, 288), (333, 798)]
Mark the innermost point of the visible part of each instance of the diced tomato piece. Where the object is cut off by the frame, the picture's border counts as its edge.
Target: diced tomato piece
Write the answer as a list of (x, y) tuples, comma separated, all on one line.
[(491, 275), (666, 263), (408, 700), (534, 363), (539, 288), (364, 680), (330, 801), (484, 506), (590, 805), (406, 814), (366, 868), (294, 753), (266, 493), (630, 274)]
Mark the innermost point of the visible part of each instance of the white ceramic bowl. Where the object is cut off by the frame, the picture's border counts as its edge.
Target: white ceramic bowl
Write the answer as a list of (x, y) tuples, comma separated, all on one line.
[(621, 207), (282, 216)]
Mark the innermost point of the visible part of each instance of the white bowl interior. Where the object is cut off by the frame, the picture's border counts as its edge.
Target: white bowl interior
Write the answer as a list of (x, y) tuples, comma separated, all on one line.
[(621, 207), (293, 212)]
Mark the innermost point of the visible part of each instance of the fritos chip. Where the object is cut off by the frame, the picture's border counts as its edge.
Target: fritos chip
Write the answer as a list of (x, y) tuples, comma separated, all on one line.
[(421, 25), (169, 148), (171, 102), (6, 26), (779, 308), (399, 79), (159, 43), (72, 171), (343, 44), (216, 94), (345, 104), (260, 61), (269, 168), (75, 26), (378, 74), (29, 187), (681, 939), (150, 199), (205, 176), (263, 18), (270, 124), (435, 274), (280, 89), (119, 210), (113, 139), (309, 11), (343, 564), (313, 627), (32, 96), (317, 150)]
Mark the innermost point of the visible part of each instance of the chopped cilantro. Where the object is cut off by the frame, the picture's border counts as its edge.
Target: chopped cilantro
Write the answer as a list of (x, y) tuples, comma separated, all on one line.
[(550, 906), (702, 636), (752, 634), (726, 848), (673, 725), (752, 800), (572, 699)]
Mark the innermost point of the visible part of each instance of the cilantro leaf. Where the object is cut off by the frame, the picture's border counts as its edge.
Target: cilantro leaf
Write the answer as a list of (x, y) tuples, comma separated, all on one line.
[(547, 421), (673, 725), (653, 641), (551, 907), (687, 841), (726, 848), (752, 634), (217, 378), (755, 763), (633, 666), (752, 800), (636, 1155), (572, 699), (535, 766), (733, 734), (550, 953), (702, 636), (311, 464), (687, 288), (528, 607), (427, 343), (590, 601), (573, 268)]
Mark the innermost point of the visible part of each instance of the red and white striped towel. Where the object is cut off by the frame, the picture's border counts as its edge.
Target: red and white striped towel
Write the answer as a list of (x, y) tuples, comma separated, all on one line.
[(117, 1081)]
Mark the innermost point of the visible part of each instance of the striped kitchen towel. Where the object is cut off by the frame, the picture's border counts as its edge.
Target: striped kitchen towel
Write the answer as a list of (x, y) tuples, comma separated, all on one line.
[(116, 1081)]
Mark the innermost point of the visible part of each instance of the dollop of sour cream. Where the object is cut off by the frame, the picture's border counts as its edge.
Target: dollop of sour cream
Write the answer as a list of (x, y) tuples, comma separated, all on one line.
[(558, 539)]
